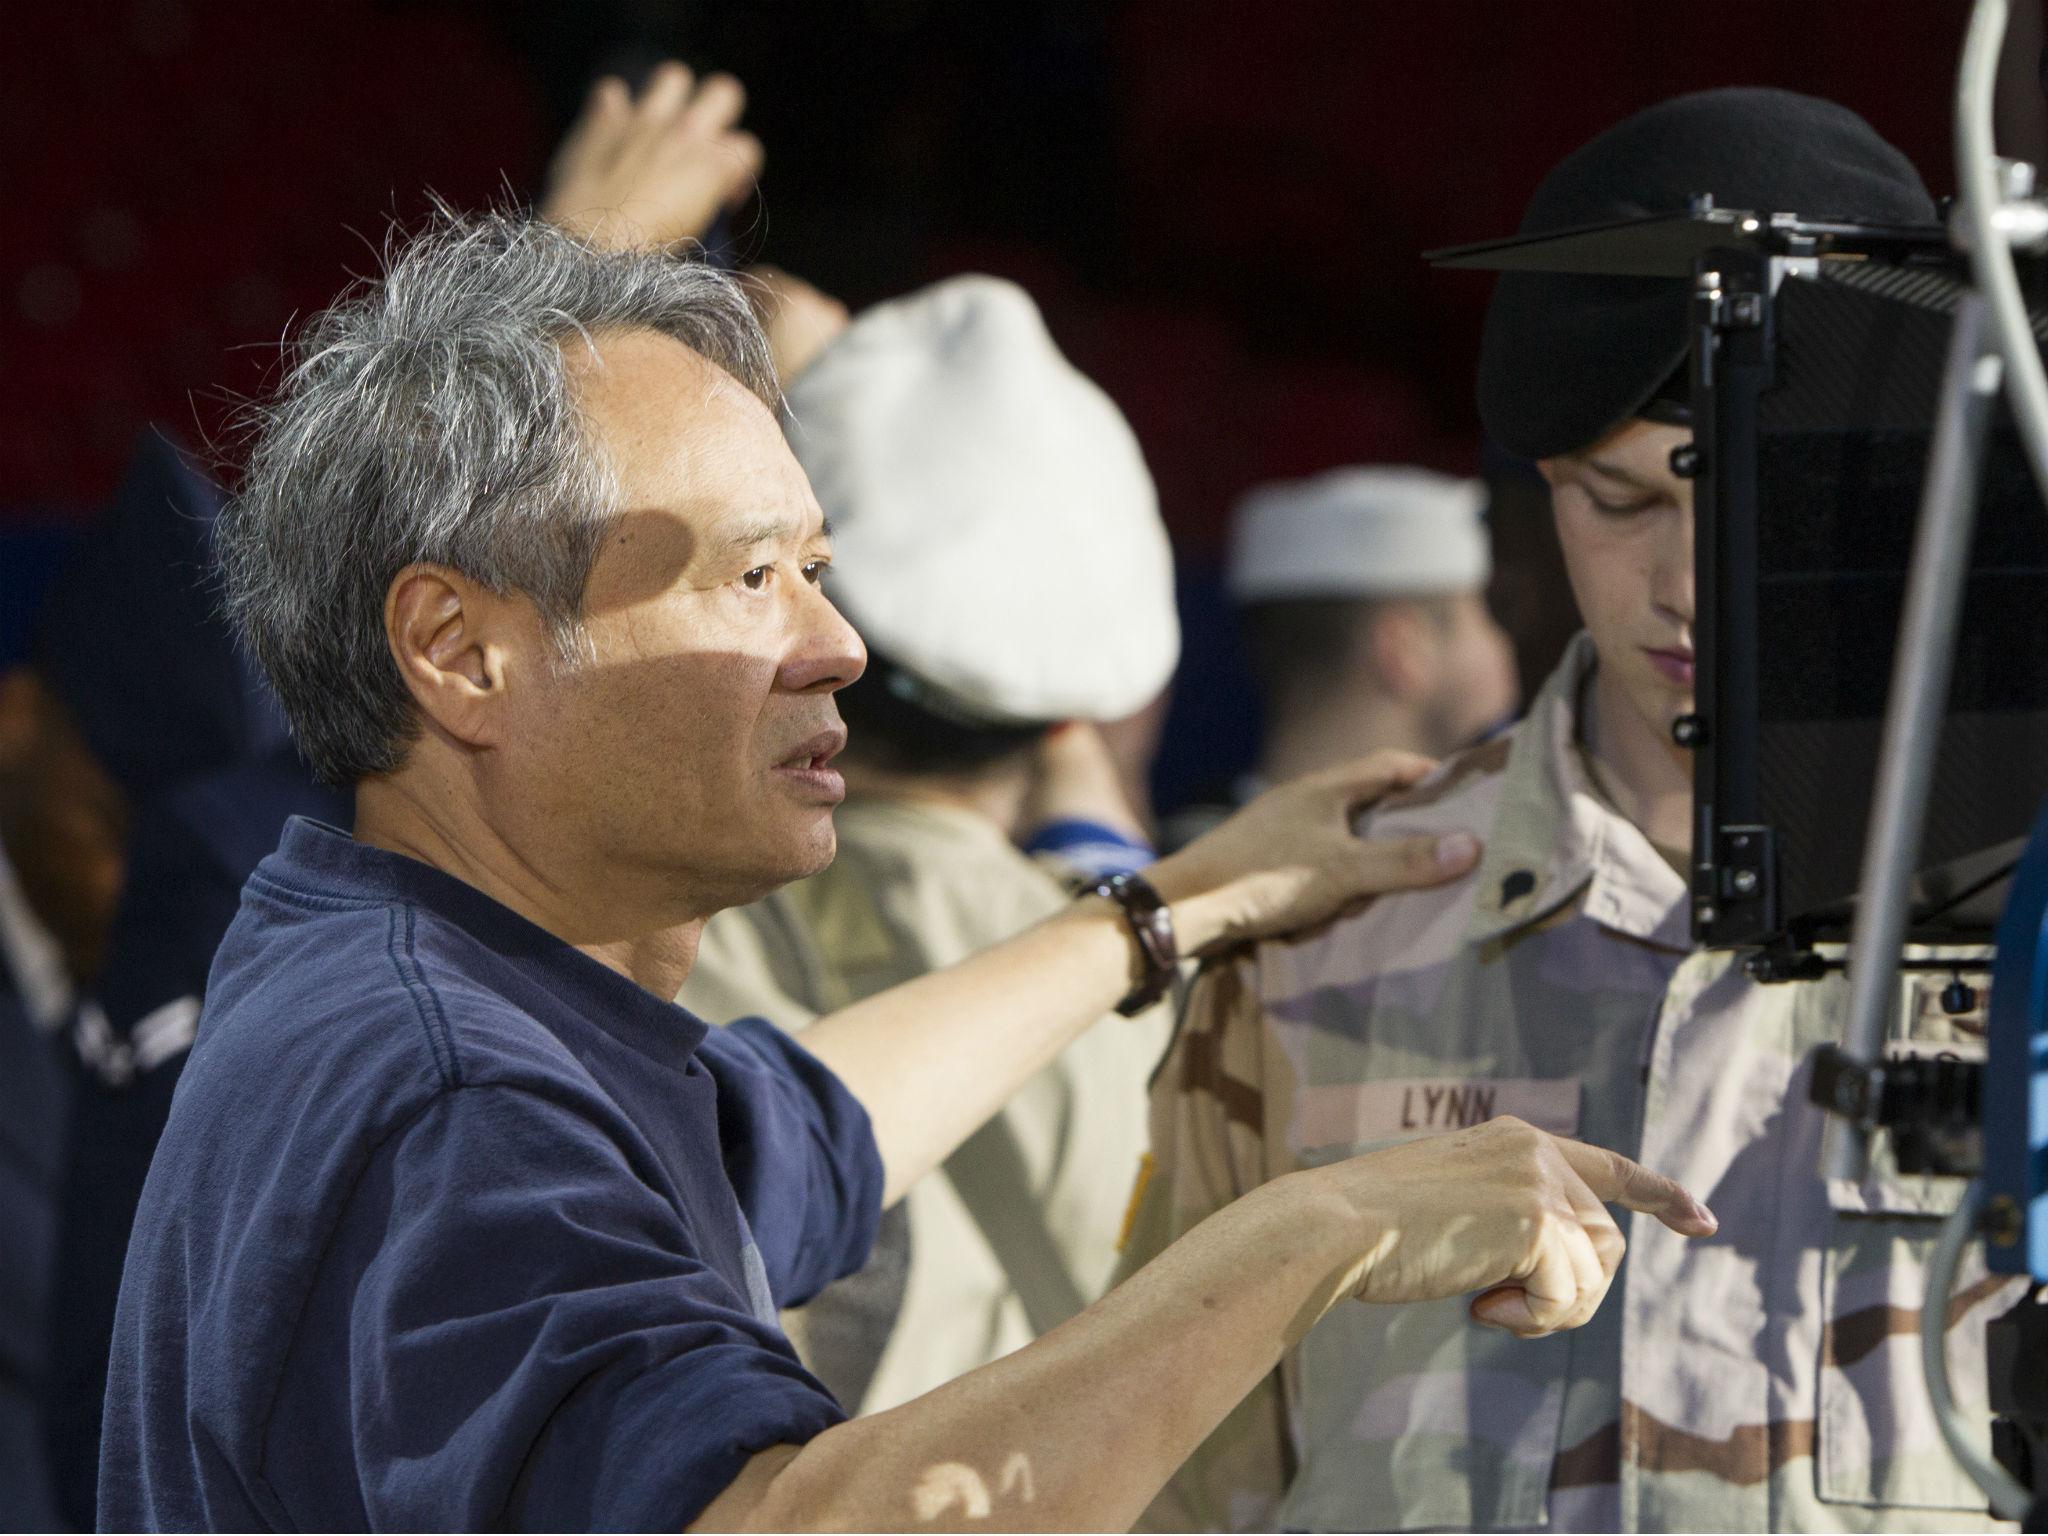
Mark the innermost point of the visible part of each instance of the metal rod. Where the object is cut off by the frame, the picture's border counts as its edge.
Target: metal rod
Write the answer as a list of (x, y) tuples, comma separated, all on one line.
[(1981, 182), (2008, 1500), (1919, 694)]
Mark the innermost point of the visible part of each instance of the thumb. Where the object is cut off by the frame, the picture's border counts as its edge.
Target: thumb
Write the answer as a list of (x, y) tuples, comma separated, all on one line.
[(1507, 1307)]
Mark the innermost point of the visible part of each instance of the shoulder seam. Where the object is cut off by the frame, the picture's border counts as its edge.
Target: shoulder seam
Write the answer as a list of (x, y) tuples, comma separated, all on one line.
[(307, 900), (1461, 775), (425, 1000)]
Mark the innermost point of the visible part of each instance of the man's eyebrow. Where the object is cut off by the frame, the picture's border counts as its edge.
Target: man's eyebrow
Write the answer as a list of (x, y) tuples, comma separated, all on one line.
[(769, 531)]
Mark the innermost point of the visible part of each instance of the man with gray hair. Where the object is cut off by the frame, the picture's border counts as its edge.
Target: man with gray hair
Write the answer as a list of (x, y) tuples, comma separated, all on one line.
[(458, 1222)]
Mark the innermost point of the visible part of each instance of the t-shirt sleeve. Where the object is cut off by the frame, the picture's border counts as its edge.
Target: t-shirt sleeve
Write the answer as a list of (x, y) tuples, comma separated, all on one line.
[(530, 1338), (801, 1155)]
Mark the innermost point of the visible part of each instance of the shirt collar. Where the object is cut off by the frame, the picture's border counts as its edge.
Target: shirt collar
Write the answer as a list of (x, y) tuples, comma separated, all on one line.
[(326, 863), (1554, 839)]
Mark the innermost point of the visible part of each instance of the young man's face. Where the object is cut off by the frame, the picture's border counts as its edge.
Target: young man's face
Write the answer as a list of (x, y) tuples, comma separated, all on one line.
[(1625, 521)]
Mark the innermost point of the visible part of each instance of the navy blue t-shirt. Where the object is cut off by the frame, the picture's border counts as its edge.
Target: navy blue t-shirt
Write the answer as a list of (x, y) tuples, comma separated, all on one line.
[(454, 1227)]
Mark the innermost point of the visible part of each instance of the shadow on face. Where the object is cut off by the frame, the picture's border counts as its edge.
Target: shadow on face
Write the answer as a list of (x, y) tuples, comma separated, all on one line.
[(689, 751)]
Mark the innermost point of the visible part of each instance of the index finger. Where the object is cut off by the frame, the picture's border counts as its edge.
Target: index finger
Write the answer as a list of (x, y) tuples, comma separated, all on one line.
[(1364, 780), (1619, 1181)]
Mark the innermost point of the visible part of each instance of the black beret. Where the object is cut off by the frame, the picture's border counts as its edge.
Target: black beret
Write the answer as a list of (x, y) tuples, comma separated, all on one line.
[(1565, 357)]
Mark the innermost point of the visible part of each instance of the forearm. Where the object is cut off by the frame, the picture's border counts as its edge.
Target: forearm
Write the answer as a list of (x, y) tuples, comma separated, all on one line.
[(933, 1059), (1080, 1430)]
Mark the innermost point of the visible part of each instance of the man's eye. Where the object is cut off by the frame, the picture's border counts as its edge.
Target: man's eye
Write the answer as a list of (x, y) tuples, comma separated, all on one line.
[(814, 570), (757, 578)]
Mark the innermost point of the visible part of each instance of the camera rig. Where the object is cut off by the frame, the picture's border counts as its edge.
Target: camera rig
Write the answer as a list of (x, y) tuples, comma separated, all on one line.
[(1870, 730)]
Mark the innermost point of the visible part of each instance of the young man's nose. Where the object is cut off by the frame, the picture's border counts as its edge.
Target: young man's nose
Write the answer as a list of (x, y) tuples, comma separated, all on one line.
[(1672, 584)]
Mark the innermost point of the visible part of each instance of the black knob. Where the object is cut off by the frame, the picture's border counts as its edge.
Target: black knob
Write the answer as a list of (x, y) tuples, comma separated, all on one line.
[(1689, 731), (1685, 461)]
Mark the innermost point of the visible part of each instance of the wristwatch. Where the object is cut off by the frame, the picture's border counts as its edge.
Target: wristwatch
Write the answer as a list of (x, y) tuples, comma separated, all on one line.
[(1151, 924)]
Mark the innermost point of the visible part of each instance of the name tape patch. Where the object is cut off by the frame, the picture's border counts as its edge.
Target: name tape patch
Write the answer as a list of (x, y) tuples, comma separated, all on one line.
[(1424, 1106)]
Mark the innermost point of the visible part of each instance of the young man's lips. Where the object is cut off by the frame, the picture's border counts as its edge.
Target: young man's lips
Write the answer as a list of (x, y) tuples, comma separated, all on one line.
[(1676, 666)]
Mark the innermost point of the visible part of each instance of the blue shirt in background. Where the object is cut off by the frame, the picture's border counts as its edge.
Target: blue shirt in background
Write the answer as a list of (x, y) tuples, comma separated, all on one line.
[(454, 1227)]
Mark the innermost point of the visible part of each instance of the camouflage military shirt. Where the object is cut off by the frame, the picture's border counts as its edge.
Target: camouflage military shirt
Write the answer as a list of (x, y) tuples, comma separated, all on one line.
[(1765, 1379)]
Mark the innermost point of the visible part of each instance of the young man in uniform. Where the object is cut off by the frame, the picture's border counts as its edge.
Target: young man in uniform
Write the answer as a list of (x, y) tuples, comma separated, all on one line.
[(1768, 1379)]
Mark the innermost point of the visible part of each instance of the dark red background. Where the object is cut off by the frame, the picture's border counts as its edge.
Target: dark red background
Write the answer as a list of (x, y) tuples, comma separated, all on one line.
[(1219, 202)]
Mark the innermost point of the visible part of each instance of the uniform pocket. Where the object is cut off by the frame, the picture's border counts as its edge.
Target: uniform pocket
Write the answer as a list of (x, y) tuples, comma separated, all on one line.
[(1876, 1439), (1876, 1442)]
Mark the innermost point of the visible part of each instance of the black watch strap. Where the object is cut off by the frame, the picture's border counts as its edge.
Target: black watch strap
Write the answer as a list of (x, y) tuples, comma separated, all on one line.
[(1151, 925)]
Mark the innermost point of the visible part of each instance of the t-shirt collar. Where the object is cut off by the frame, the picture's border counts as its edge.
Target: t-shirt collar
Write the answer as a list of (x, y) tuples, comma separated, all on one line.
[(325, 862)]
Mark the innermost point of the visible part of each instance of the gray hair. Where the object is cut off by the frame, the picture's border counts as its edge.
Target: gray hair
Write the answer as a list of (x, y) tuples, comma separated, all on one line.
[(430, 416)]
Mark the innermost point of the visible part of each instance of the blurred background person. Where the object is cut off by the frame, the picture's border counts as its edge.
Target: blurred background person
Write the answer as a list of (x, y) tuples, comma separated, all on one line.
[(998, 545), (1363, 600), (1363, 593), (39, 974), (176, 778), (129, 692)]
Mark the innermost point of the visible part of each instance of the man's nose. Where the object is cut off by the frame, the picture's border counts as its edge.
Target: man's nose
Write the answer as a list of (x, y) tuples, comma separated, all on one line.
[(828, 653)]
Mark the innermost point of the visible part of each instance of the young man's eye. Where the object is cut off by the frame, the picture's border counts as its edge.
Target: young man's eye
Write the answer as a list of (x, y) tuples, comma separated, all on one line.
[(757, 578), (1621, 508)]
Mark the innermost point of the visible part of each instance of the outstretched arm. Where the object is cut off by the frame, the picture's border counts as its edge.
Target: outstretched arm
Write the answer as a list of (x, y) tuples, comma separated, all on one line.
[(935, 1058), (1079, 1430)]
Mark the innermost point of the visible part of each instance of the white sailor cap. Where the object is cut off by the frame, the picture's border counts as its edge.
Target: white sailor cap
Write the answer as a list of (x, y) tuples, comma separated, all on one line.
[(1360, 532), (996, 533)]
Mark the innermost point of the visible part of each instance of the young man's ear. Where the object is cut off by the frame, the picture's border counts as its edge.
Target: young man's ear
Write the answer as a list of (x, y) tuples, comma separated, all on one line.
[(449, 637)]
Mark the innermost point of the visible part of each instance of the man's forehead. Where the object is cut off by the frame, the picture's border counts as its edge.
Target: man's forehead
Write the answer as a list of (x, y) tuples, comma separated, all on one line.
[(629, 378), (682, 433)]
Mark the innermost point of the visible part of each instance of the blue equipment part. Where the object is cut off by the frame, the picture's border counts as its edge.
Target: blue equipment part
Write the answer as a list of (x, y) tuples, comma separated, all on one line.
[(2016, 1074)]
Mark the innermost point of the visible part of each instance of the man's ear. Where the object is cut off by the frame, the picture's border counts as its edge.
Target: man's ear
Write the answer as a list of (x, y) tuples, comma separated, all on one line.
[(451, 639), (1402, 647)]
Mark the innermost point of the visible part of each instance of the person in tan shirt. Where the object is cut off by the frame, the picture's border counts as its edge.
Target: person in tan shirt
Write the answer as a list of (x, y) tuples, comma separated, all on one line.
[(977, 804)]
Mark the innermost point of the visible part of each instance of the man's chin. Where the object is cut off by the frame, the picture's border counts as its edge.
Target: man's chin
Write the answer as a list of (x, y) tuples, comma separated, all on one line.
[(805, 854)]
